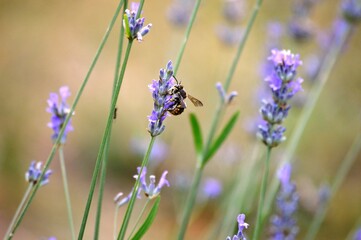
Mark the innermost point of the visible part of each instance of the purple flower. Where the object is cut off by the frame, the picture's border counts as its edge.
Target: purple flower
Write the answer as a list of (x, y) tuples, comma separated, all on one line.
[(234, 10), (33, 174), (134, 27), (151, 190), (284, 85), (241, 226), (162, 100), (351, 10), (122, 201), (211, 188), (357, 235), (226, 98), (283, 223), (179, 12), (229, 36), (59, 110)]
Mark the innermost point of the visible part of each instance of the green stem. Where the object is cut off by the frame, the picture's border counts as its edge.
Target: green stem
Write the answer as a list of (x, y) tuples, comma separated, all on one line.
[(342, 172), (139, 217), (105, 160), (190, 201), (66, 192), (327, 66), (259, 219), (104, 140), (71, 111), (241, 45), (115, 221), (16, 215), (186, 36), (128, 213)]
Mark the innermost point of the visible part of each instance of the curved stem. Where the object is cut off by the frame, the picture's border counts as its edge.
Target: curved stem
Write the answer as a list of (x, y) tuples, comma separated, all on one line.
[(190, 201), (128, 213), (16, 215), (342, 172), (103, 143), (139, 217), (107, 144), (115, 221), (186, 36), (66, 192), (259, 219), (71, 111)]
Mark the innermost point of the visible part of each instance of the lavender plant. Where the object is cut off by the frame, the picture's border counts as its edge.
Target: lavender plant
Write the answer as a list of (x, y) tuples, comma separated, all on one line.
[(283, 84)]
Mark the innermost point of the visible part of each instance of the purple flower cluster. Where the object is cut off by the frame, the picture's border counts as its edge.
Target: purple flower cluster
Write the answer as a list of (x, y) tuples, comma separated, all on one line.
[(150, 190), (284, 85), (351, 10), (162, 100), (241, 225), (283, 224), (33, 174), (59, 110), (134, 27)]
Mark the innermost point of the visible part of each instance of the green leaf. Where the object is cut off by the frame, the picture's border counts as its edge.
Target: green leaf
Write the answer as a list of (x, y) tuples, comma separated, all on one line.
[(197, 134), (148, 221), (221, 138)]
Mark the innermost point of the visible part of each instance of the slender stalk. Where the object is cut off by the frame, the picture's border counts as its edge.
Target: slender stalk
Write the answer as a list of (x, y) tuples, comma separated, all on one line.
[(71, 111), (342, 172), (139, 217), (21, 205), (128, 213), (241, 45), (115, 221), (190, 201), (66, 192), (186, 36), (259, 219), (327, 66), (104, 164), (215, 121), (104, 140)]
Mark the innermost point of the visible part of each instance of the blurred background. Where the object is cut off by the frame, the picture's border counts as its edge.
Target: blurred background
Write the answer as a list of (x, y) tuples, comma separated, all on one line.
[(49, 44)]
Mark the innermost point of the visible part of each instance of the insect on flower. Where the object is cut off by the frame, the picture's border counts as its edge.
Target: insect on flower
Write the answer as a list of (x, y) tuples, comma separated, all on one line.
[(178, 96)]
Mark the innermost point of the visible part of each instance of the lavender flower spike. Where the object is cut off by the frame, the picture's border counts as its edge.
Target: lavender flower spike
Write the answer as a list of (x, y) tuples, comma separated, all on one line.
[(33, 174), (59, 111), (241, 225), (283, 84), (162, 100), (134, 27), (283, 223), (151, 191)]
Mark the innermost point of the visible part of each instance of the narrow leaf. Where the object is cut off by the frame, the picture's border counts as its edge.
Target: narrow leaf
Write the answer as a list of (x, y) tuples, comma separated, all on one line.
[(197, 134), (148, 221), (221, 138)]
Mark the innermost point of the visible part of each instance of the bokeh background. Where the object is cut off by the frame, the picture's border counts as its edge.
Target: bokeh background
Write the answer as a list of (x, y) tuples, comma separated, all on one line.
[(48, 44)]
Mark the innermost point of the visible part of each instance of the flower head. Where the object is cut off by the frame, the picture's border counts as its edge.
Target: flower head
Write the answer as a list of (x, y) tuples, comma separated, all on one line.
[(351, 10), (241, 226), (284, 85), (179, 12), (59, 110), (122, 201), (283, 223), (226, 98), (151, 190), (134, 27), (33, 174), (162, 100)]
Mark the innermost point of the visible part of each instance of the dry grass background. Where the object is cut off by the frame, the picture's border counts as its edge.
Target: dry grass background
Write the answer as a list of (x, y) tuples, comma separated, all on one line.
[(47, 44)]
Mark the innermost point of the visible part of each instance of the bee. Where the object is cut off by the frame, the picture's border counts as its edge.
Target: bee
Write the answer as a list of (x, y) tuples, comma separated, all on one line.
[(178, 96)]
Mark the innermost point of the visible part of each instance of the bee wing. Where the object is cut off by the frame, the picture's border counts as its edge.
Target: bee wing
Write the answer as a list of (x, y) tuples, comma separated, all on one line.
[(195, 101)]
